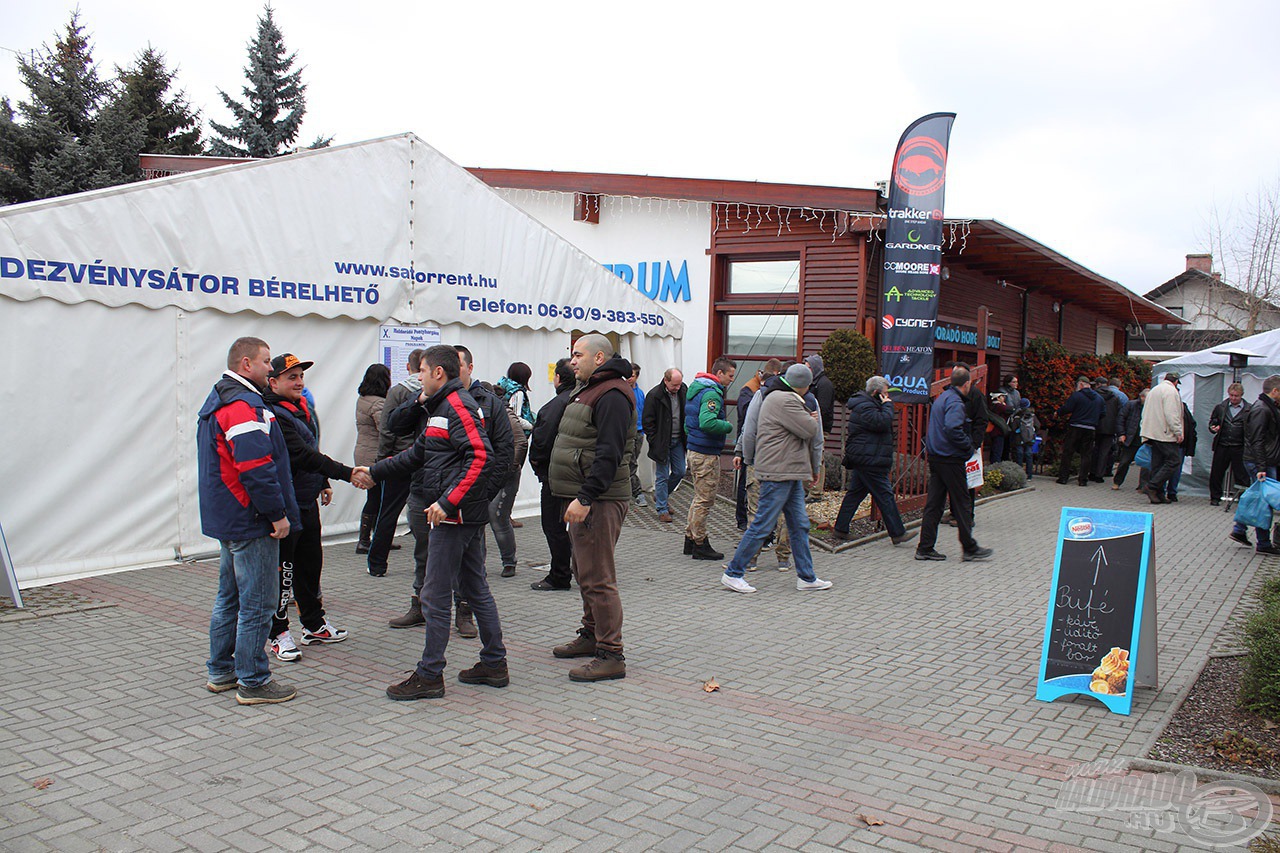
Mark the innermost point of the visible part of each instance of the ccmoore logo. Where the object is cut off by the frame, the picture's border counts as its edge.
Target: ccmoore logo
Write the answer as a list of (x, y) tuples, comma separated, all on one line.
[(887, 321), (920, 167), (913, 268)]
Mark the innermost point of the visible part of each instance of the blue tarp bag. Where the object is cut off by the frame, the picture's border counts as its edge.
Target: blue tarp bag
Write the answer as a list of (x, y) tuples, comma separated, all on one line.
[(1143, 457), (1257, 503)]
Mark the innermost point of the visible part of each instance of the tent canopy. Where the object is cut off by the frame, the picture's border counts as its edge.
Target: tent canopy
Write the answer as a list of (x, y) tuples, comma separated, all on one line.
[(1213, 360)]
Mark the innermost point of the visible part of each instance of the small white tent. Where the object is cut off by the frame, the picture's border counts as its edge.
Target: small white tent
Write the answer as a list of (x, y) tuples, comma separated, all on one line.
[(117, 308), (1205, 377)]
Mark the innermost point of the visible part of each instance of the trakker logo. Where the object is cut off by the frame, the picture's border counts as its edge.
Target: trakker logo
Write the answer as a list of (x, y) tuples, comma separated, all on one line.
[(920, 166), (914, 213)]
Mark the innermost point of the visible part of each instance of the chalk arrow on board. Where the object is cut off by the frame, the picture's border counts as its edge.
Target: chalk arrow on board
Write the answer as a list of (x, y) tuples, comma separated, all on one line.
[(1099, 560)]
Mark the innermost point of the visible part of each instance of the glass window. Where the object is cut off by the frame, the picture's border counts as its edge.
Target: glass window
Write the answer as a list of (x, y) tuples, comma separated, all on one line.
[(764, 276), (761, 335)]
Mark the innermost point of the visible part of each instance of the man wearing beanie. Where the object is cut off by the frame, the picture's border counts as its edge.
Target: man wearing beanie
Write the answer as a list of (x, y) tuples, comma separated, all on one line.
[(785, 450), (825, 393)]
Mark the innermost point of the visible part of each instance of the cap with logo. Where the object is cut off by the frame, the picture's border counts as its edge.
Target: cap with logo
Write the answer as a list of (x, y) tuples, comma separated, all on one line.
[(284, 363)]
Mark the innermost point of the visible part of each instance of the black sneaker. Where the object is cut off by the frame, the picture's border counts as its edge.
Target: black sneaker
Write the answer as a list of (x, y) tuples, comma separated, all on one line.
[(979, 553), (417, 687), (931, 554), (1242, 538), (688, 546), (222, 685), (494, 675), (1173, 499), (905, 537), (1266, 548), (545, 585), (1215, 502), (508, 571), (271, 693), (703, 551), (841, 535)]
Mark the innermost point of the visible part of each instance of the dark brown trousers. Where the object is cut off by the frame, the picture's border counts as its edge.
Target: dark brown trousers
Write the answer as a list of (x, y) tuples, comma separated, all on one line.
[(593, 543)]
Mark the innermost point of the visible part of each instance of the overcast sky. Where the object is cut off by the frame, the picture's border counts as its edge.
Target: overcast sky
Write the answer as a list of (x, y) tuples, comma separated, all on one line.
[(1107, 131)]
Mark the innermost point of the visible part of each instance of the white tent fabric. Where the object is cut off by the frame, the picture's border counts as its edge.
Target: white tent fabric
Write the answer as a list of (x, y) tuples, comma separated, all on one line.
[(1205, 377), (117, 307)]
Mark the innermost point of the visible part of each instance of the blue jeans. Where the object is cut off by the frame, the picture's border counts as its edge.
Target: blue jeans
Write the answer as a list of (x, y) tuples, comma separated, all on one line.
[(247, 589), (876, 484), (667, 474), (776, 498), (456, 562), (1263, 533)]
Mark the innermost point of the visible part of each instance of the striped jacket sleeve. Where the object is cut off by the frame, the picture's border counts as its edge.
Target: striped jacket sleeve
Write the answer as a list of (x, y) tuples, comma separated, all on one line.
[(467, 435), (249, 469)]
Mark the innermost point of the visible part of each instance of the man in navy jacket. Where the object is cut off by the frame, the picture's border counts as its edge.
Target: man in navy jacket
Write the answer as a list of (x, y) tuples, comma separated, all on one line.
[(949, 443), (453, 463), (1083, 409), (247, 504)]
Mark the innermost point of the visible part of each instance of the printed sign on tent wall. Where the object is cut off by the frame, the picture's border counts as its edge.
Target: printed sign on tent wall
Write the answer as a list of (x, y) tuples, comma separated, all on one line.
[(396, 342)]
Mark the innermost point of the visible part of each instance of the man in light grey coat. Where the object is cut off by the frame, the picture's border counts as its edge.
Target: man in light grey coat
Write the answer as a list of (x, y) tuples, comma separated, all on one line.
[(782, 442)]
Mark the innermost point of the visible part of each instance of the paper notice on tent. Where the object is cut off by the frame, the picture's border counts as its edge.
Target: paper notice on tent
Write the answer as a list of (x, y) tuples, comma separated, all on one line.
[(396, 342)]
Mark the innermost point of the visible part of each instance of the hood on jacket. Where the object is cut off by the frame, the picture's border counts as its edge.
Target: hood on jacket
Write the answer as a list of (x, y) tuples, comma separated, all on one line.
[(615, 368), (225, 391)]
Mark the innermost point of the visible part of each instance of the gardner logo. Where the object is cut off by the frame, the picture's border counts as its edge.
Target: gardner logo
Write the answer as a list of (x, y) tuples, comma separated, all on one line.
[(920, 167), (887, 321)]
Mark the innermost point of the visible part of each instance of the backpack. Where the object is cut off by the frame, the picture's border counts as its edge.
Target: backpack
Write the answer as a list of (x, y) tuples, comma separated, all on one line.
[(1027, 427), (506, 387)]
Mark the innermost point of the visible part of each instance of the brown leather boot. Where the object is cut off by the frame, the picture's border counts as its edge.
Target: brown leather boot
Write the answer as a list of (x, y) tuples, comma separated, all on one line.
[(602, 667), (494, 675), (412, 618), (582, 646), (464, 623)]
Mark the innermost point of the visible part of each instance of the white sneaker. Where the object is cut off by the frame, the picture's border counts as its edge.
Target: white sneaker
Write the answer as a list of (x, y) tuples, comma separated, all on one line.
[(737, 584), (326, 634), (816, 583), (284, 648)]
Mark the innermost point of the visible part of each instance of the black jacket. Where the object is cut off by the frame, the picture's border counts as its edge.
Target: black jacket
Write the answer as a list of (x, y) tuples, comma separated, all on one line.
[(1262, 433), (544, 431), (1188, 432), (1230, 430), (410, 417), (868, 444), (656, 420), (1109, 421), (301, 428), (825, 393), (1129, 423), (452, 461), (975, 409), (1084, 408)]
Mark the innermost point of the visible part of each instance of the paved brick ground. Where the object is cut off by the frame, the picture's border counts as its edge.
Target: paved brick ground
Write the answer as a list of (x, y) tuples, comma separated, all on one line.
[(904, 694)]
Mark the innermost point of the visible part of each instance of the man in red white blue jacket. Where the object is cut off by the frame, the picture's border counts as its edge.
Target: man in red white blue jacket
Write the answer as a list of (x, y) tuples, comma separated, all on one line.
[(454, 463), (246, 503)]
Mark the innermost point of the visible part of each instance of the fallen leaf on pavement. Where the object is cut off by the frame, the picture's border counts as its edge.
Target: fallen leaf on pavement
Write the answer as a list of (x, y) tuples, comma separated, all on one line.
[(41, 784), (711, 686), (870, 821)]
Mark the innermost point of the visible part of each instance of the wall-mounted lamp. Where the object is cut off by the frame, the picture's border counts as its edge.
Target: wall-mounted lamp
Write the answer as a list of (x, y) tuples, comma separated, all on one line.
[(946, 273), (1002, 282), (1056, 307)]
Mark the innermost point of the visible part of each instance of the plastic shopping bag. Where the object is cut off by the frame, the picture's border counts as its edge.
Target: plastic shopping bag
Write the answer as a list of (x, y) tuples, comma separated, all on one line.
[(1254, 507), (973, 470), (1143, 457)]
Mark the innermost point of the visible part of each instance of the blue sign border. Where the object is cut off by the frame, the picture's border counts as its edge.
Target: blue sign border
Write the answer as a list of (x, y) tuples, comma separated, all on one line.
[(1107, 524)]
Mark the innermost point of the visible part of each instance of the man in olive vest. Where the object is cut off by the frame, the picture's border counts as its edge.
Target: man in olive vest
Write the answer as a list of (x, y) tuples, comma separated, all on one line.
[(590, 473)]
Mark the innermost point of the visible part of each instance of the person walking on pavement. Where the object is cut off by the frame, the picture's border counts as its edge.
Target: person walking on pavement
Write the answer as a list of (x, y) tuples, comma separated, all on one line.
[(1186, 450), (545, 426), (1129, 437), (706, 428), (949, 444), (372, 399), (1162, 429), (395, 492), (664, 425), (247, 504), (772, 367), (868, 455), (302, 552), (1227, 425), (637, 493), (1082, 410), (785, 452), (453, 461), (591, 472), (1104, 445), (1261, 453)]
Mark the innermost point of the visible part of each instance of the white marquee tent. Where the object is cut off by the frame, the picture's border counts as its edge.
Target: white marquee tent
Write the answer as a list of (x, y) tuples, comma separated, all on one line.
[(1205, 377), (117, 308)]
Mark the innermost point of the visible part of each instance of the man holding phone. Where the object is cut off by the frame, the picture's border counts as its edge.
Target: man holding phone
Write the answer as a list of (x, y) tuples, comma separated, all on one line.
[(868, 454)]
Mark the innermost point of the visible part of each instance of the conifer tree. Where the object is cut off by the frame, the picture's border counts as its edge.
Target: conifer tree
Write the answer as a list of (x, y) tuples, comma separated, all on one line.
[(269, 120), (172, 126), (70, 134)]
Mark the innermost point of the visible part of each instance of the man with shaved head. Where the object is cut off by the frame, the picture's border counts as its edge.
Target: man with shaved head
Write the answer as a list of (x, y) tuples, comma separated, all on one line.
[(590, 473)]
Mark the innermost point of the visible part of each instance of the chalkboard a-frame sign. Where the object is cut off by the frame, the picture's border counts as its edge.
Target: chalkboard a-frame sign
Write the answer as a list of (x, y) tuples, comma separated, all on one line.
[(1100, 631)]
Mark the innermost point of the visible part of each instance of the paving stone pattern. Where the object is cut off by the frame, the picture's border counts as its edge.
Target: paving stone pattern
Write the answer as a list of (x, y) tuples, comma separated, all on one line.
[(904, 694)]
